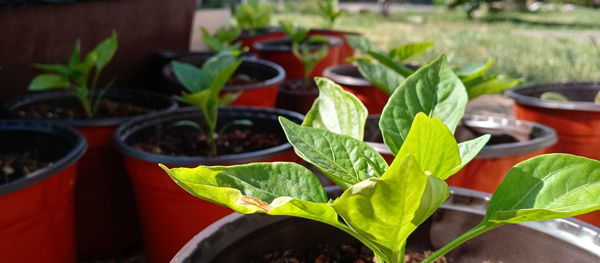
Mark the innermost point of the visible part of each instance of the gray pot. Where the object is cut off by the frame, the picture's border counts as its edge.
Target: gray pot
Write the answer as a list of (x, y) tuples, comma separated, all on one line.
[(580, 94), (239, 238)]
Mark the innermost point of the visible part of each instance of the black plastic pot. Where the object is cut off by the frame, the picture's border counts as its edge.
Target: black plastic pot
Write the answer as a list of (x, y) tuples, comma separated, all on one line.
[(249, 37), (260, 94), (239, 238), (299, 100), (170, 216), (38, 210), (107, 224)]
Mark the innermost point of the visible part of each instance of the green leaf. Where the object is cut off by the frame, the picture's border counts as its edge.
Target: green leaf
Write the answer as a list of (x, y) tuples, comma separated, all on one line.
[(404, 52), (433, 146), (434, 90), (380, 76), (229, 97), (489, 85), (48, 82), (388, 62), (555, 96), (546, 187), (342, 158), (597, 98), (382, 209), (75, 58), (105, 51), (469, 150), (191, 77), (360, 43), (54, 68), (475, 70), (337, 110), (296, 34)]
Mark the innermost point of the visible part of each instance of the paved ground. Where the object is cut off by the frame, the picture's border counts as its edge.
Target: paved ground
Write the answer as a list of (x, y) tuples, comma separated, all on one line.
[(357, 7)]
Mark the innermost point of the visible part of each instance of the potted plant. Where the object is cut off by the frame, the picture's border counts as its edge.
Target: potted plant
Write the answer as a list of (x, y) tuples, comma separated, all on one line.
[(293, 52), (38, 163), (330, 12), (575, 120), (382, 205), (105, 211), (254, 19), (258, 80), (203, 134)]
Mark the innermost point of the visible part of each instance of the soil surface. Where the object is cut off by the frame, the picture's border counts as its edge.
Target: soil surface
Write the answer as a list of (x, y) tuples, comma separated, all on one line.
[(106, 109), (188, 141), (14, 166), (343, 254), (301, 85), (242, 79)]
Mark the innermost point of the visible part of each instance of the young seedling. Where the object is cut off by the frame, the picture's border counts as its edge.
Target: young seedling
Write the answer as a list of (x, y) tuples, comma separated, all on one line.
[(204, 86), (80, 76), (330, 11), (222, 40), (382, 205), (253, 15), (301, 46)]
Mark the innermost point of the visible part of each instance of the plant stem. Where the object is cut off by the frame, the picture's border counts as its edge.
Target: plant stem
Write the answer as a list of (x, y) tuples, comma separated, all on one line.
[(476, 231)]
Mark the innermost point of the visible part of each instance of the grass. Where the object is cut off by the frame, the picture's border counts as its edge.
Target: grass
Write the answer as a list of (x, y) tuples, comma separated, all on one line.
[(555, 46)]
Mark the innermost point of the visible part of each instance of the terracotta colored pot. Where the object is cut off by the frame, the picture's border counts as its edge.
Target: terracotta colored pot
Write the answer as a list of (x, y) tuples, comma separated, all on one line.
[(346, 51), (37, 218), (297, 100), (490, 166), (240, 238), (577, 122), (351, 80), (263, 93), (280, 51), (106, 219), (170, 216), (249, 38)]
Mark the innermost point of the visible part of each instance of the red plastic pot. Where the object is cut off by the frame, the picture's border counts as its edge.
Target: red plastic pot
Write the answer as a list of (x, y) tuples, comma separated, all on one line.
[(346, 51), (280, 51), (490, 166), (260, 94), (577, 122), (37, 218), (170, 216), (106, 219), (351, 80), (248, 38)]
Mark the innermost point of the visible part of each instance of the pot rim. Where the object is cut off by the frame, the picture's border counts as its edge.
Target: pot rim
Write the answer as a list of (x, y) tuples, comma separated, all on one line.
[(547, 139), (569, 230), (277, 79), (79, 147), (516, 94), (134, 125), (246, 33), (262, 46), (34, 97), (346, 80)]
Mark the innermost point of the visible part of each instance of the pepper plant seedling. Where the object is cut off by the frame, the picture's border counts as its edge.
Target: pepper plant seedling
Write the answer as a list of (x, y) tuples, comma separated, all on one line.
[(253, 15), (204, 86), (222, 40), (329, 10), (79, 76), (301, 46), (382, 205)]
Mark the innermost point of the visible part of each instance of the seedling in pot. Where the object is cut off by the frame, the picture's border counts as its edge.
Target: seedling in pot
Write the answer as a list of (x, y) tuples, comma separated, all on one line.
[(301, 46), (204, 86), (253, 15), (382, 205), (329, 10), (222, 40), (80, 76)]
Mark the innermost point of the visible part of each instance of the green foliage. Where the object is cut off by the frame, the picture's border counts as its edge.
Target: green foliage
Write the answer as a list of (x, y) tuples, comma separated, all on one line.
[(204, 85), (479, 83), (222, 40), (253, 15), (329, 10), (301, 46), (381, 206), (80, 76)]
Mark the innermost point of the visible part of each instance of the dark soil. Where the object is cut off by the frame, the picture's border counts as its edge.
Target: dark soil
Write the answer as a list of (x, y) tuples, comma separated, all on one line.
[(343, 254), (106, 109), (242, 79), (187, 141), (500, 138), (300, 85), (14, 166)]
